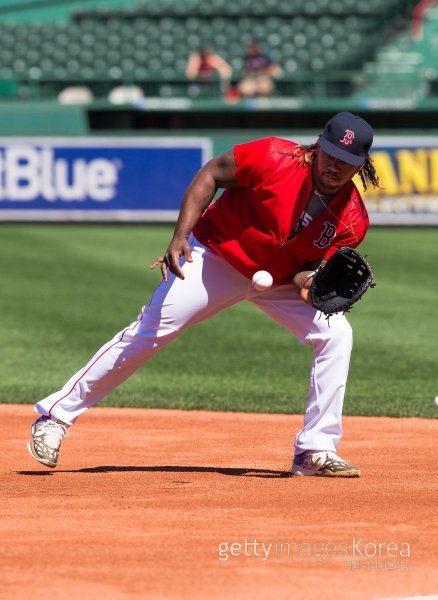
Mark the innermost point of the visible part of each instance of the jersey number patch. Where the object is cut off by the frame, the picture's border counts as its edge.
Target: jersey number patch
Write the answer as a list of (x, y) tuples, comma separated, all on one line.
[(326, 236)]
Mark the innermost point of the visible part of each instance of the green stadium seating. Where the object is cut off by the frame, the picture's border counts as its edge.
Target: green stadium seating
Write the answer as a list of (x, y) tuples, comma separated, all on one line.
[(149, 42), (406, 68)]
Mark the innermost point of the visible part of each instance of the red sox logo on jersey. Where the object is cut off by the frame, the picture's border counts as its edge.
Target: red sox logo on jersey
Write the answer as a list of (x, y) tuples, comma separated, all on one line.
[(326, 236), (348, 137)]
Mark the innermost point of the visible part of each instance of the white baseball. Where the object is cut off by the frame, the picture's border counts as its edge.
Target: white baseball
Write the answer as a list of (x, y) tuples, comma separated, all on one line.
[(436, 401), (262, 281)]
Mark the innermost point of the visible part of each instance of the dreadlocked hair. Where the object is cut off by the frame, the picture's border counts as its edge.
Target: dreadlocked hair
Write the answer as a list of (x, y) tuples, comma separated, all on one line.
[(368, 172), (306, 155)]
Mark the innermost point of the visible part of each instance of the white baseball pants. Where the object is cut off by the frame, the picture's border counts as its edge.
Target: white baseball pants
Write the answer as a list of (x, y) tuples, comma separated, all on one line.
[(211, 285)]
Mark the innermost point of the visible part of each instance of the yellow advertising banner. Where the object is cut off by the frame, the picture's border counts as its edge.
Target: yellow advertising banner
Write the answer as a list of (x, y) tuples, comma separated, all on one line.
[(408, 174)]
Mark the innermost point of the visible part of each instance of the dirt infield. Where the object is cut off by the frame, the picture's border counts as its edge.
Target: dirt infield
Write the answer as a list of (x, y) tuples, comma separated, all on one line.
[(173, 504)]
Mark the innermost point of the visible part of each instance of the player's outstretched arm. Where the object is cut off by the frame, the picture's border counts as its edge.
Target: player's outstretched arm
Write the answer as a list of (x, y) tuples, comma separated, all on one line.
[(303, 283), (217, 173)]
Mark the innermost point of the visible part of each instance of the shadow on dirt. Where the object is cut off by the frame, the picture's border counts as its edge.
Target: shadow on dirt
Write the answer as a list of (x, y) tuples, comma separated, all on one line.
[(234, 472)]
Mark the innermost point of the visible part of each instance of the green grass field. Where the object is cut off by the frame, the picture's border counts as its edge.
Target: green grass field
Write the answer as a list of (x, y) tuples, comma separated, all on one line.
[(67, 289)]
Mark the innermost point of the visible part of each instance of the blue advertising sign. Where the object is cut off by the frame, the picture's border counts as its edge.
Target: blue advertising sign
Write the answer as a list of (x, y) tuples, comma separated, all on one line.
[(97, 179)]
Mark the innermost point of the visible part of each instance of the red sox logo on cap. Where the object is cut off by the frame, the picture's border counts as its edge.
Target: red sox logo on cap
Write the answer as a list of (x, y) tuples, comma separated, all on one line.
[(348, 137)]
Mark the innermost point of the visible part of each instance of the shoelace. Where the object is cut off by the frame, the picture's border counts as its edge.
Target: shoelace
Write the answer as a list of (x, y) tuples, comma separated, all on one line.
[(327, 457), (335, 460), (53, 433)]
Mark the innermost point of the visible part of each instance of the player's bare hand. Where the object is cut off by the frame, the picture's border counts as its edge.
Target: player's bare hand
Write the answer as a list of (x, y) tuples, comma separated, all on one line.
[(170, 261), (163, 266)]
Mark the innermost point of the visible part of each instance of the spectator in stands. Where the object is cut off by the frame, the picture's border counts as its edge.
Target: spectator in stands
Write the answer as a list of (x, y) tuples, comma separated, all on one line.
[(260, 70), (204, 65)]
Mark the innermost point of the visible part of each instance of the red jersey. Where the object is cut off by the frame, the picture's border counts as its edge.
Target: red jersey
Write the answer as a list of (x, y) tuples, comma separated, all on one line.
[(206, 69), (250, 225)]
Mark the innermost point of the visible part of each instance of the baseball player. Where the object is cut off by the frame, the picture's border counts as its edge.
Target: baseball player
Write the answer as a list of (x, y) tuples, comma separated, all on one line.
[(285, 209)]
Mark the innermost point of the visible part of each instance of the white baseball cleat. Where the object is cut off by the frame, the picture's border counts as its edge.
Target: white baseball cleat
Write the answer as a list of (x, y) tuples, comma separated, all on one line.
[(322, 464), (47, 435)]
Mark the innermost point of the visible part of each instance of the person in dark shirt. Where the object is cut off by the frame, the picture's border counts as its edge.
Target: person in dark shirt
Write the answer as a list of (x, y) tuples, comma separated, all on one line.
[(260, 70)]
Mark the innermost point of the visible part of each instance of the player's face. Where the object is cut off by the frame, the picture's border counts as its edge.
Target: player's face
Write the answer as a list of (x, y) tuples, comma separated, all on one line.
[(330, 173)]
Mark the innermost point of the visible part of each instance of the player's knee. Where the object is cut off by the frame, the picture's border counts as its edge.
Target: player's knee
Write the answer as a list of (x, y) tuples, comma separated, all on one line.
[(334, 334), (340, 333), (265, 86), (247, 88)]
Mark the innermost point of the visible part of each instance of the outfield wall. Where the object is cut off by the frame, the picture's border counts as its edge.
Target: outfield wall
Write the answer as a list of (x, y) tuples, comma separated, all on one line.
[(143, 178)]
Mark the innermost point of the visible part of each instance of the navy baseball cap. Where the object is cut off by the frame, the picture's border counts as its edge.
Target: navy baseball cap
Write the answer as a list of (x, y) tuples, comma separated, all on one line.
[(348, 138)]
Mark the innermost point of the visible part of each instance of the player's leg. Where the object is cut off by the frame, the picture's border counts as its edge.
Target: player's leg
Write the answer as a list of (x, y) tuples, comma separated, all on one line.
[(247, 87), (265, 85), (210, 285), (332, 343)]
